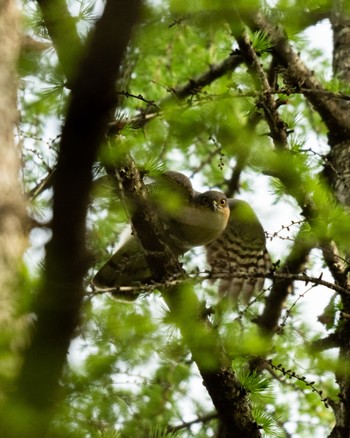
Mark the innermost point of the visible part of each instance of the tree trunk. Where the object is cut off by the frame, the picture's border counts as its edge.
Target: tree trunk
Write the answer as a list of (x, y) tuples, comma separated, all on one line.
[(339, 177), (12, 208)]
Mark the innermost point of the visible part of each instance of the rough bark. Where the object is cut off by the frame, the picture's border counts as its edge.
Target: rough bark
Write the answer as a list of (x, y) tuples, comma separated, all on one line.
[(228, 396), (339, 178), (341, 41), (301, 79), (13, 234), (339, 171)]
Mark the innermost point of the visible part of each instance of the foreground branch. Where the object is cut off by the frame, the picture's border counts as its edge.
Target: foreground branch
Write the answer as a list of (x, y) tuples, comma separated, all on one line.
[(229, 399)]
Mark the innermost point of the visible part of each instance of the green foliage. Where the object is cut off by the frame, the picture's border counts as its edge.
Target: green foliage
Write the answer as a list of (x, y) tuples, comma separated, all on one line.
[(129, 372), (258, 386), (261, 42), (158, 432), (267, 422)]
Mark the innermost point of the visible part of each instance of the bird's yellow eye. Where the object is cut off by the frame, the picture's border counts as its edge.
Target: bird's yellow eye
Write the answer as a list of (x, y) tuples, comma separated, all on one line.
[(223, 202)]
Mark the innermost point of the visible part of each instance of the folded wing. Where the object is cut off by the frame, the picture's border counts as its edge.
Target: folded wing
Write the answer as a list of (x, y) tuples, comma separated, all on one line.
[(239, 257), (190, 219)]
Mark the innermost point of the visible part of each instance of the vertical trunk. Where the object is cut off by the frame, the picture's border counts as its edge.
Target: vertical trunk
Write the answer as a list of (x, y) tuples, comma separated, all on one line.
[(339, 176), (340, 153), (12, 208), (341, 41)]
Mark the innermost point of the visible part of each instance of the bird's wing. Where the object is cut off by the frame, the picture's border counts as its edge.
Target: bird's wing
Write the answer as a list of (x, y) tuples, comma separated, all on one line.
[(128, 266), (190, 219), (169, 190), (239, 255)]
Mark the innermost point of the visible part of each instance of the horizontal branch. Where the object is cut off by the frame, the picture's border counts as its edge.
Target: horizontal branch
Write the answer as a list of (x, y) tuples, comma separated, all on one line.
[(187, 424), (193, 86), (137, 289), (154, 108), (331, 341)]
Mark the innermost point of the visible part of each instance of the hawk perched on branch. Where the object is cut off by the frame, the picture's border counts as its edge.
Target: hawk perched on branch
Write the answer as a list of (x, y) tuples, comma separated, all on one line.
[(228, 228)]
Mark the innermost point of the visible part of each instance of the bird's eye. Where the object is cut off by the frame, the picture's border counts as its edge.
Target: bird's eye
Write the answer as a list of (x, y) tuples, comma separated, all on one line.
[(223, 202), (205, 200)]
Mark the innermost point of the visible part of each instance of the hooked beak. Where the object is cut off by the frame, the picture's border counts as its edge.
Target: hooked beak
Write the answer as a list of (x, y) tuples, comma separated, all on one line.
[(214, 205)]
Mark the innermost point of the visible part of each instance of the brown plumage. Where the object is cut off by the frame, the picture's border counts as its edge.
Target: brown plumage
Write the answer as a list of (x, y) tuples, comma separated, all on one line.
[(190, 219), (228, 228), (239, 256)]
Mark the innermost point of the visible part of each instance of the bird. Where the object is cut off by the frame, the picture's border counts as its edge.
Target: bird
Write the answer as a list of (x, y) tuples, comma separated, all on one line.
[(191, 219), (239, 257), (227, 228)]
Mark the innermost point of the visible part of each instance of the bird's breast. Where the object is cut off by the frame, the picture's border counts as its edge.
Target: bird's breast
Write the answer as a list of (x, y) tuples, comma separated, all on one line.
[(197, 227)]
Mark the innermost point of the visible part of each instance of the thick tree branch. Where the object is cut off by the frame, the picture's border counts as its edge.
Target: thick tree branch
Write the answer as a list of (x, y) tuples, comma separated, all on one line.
[(230, 401), (278, 129), (61, 27), (299, 76), (340, 181), (228, 396), (268, 320), (331, 341), (163, 263), (335, 114), (341, 41)]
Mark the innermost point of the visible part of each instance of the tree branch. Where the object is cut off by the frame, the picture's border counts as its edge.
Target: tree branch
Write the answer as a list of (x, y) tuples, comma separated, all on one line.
[(229, 399), (61, 27), (331, 341), (281, 288), (278, 129), (179, 93), (299, 76), (187, 424)]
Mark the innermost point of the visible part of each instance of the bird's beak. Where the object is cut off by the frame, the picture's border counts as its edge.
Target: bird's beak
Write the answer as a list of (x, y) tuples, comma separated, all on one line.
[(214, 205)]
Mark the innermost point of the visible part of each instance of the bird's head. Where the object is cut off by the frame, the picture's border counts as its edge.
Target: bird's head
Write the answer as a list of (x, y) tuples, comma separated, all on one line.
[(214, 201)]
